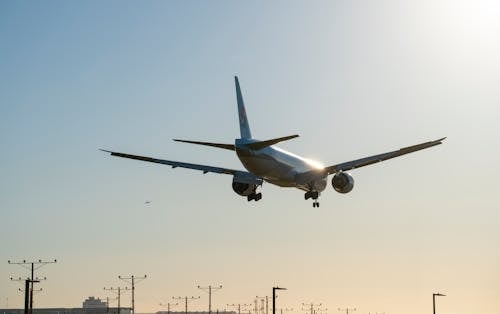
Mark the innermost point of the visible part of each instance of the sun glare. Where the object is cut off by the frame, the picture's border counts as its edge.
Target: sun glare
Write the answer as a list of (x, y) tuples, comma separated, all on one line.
[(314, 163)]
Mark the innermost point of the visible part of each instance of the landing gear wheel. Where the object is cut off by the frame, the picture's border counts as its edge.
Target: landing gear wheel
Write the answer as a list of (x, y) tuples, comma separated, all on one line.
[(316, 204), (311, 194), (254, 197)]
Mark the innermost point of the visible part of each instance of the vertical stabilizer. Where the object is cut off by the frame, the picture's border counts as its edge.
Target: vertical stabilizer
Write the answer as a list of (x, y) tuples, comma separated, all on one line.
[(244, 127)]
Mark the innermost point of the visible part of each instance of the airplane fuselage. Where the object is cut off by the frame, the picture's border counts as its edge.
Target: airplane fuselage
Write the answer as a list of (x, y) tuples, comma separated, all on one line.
[(278, 166)]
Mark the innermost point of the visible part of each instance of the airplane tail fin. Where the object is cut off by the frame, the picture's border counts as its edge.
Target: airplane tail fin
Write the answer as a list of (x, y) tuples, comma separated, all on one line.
[(244, 127)]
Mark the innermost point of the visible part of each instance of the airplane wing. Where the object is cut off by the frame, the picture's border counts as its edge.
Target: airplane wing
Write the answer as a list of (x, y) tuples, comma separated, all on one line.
[(381, 157), (176, 164)]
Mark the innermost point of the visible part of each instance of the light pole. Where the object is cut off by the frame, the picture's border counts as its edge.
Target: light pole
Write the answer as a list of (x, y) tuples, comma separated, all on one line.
[(312, 307), (118, 291), (266, 306), (186, 299), (347, 310), (274, 297), (169, 305), (240, 305), (133, 279), (434, 295), (210, 288), (39, 264)]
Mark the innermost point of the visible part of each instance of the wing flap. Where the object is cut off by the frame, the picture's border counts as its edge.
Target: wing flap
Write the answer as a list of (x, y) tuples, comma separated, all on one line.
[(381, 157)]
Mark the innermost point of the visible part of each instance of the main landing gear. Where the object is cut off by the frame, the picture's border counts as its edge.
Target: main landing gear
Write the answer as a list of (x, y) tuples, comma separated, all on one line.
[(314, 195), (254, 196)]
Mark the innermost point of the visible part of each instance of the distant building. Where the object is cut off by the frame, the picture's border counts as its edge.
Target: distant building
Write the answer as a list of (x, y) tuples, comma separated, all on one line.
[(93, 303), (198, 312), (105, 310)]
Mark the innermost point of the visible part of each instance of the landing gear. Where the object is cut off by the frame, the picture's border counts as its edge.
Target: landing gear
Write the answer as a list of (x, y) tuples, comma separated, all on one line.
[(311, 194), (314, 195), (254, 197)]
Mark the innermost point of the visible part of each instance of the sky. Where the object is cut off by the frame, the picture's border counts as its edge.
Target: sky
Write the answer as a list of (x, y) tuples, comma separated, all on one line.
[(353, 78)]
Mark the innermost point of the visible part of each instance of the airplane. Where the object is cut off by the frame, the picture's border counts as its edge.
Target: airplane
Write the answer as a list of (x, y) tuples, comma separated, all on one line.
[(266, 162)]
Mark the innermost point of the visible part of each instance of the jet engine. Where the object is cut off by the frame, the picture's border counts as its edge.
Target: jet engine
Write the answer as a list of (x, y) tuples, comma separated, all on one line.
[(343, 182), (243, 189), (245, 185)]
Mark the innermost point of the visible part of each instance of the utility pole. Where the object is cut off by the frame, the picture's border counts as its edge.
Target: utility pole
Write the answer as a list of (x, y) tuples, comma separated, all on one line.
[(168, 306), (347, 310), (239, 306), (25, 264), (132, 279), (210, 288), (118, 291), (311, 307), (186, 299)]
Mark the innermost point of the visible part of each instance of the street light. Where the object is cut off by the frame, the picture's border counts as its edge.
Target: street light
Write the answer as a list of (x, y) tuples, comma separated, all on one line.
[(274, 297), (434, 295)]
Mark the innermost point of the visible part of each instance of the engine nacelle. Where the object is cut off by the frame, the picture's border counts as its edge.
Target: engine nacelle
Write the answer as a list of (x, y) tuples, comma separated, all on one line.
[(343, 182), (245, 185), (243, 189)]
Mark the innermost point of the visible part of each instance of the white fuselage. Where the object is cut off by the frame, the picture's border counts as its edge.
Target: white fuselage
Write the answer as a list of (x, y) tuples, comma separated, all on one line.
[(279, 167)]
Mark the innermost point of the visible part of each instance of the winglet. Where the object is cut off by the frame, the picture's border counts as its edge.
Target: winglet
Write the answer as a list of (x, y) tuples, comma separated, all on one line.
[(244, 126)]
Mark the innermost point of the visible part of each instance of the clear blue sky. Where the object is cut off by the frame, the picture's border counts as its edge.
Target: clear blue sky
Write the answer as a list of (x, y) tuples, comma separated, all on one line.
[(352, 78)]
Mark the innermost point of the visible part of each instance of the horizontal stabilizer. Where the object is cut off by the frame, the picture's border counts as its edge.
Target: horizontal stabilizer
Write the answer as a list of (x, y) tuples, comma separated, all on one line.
[(224, 146), (262, 144)]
